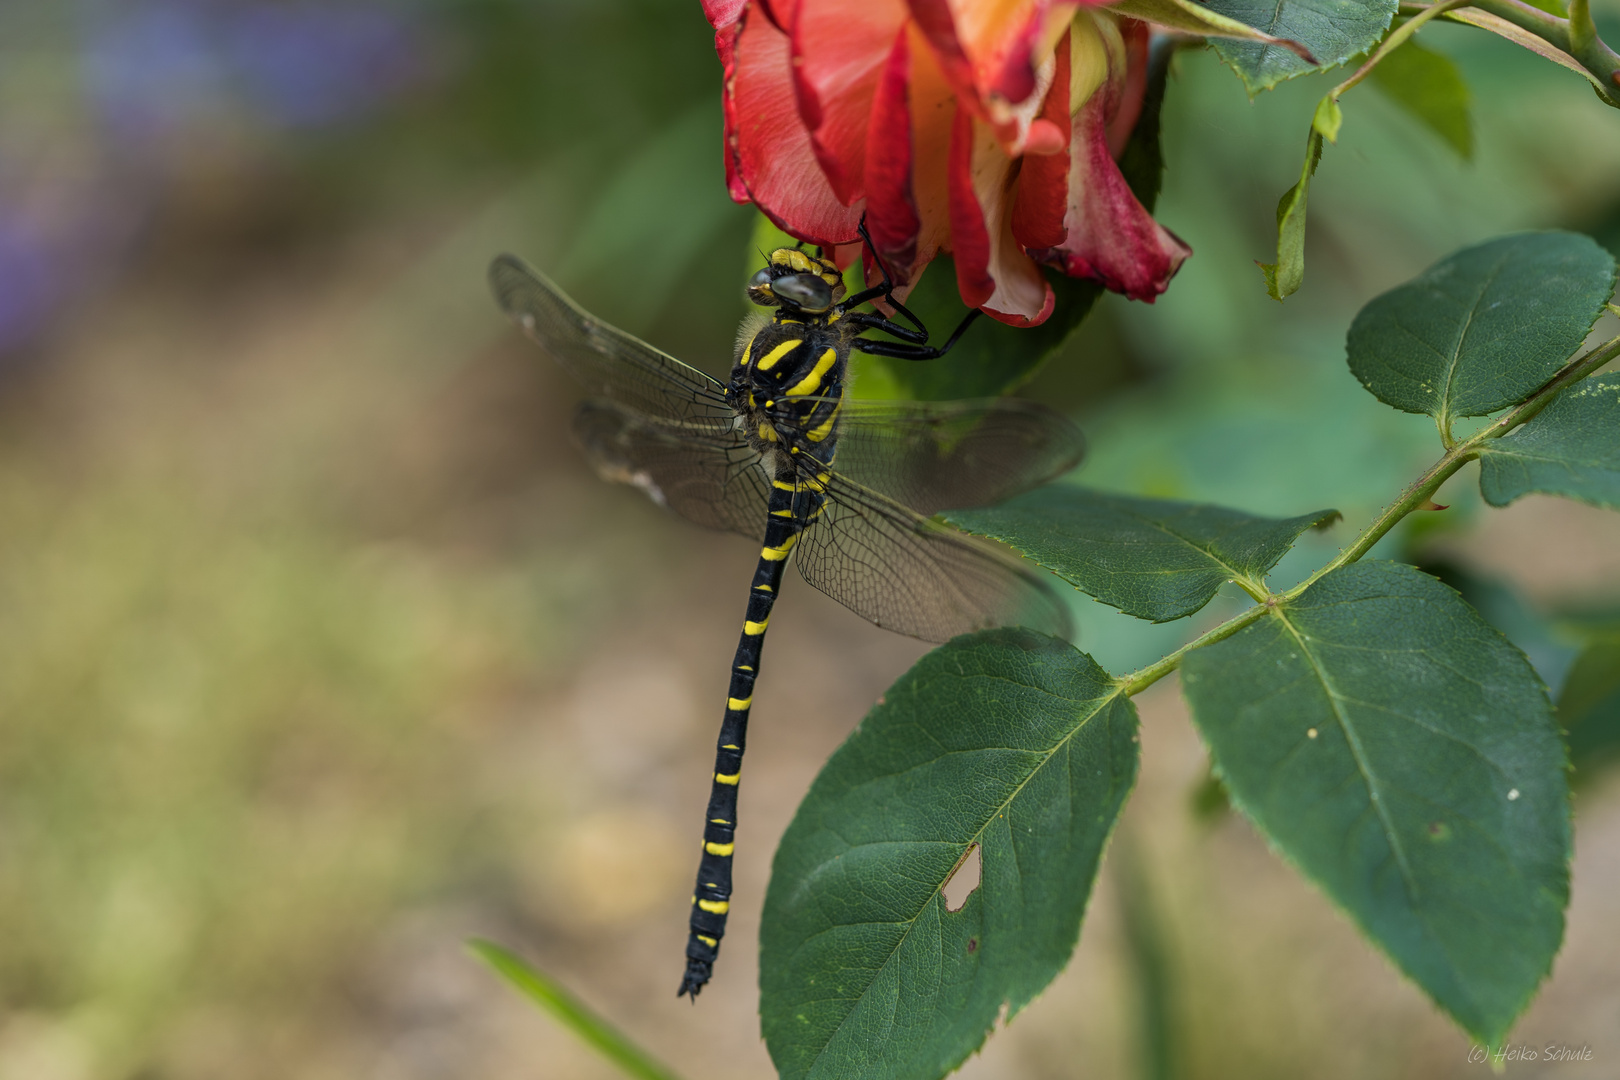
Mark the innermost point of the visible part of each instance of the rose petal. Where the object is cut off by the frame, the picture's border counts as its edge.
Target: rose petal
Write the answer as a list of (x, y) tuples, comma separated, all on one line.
[(774, 158), (725, 44), (722, 13), (992, 271), (1110, 237), (908, 155), (780, 12), (839, 49), (997, 55), (1043, 182), (891, 208)]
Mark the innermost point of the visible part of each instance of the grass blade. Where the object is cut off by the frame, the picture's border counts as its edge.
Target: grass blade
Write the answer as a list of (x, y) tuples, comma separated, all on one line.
[(571, 1012)]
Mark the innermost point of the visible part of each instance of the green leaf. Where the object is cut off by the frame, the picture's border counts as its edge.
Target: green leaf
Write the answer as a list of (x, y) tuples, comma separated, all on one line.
[(1152, 558), (1572, 447), (1549, 646), (1482, 329), (571, 1012), (628, 221), (1430, 86), (1332, 30), (1284, 277), (1007, 739), (1328, 118), (1589, 706), (1190, 17), (1404, 756)]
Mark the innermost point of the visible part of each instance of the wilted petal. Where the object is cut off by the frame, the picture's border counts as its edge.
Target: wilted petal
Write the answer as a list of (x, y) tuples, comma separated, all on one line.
[(1111, 238), (992, 272), (839, 49), (774, 158)]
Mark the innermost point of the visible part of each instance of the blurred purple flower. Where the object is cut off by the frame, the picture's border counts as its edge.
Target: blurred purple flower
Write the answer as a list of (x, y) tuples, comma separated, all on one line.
[(29, 279), (162, 65), (160, 76)]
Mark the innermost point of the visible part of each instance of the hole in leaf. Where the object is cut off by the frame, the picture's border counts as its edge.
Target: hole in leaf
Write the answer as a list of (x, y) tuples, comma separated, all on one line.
[(963, 880), (973, 944)]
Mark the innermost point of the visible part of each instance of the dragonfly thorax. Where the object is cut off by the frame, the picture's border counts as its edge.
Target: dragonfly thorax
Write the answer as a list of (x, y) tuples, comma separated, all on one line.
[(787, 384)]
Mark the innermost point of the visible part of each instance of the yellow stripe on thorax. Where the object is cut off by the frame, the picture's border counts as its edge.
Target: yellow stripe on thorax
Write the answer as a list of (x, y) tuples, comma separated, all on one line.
[(823, 429), (769, 360), (812, 382)]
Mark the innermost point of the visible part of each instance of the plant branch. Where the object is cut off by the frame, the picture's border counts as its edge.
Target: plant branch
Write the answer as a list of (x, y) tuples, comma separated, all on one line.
[(1576, 37), (1416, 495), (1395, 40), (1139, 680)]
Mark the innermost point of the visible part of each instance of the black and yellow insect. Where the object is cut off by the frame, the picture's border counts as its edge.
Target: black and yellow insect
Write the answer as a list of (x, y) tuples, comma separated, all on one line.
[(755, 456)]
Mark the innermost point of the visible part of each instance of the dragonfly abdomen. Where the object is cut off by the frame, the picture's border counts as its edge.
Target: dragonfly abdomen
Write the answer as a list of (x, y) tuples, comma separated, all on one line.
[(792, 505)]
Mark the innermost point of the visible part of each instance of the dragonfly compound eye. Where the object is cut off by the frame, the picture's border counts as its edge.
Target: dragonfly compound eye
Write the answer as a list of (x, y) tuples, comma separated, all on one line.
[(805, 291), (759, 288)]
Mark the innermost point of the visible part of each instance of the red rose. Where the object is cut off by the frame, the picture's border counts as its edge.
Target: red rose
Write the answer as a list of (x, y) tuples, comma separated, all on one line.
[(983, 128)]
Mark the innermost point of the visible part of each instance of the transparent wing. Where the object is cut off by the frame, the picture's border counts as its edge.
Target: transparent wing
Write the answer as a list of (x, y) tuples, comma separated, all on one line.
[(919, 577), (714, 480), (610, 363), (932, 456)]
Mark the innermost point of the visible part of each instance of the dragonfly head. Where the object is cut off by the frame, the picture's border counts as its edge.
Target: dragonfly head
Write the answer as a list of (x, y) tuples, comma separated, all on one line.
[(795, 281)]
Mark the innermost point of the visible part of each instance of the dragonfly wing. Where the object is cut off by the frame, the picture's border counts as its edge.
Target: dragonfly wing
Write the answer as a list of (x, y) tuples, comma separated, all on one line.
[(610, 363), (917, 576), (713, 480), (933, 456)]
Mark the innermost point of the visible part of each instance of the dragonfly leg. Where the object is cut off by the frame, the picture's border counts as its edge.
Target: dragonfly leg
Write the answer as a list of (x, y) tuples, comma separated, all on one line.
[(909, 348), (885, 291), (913, 343)]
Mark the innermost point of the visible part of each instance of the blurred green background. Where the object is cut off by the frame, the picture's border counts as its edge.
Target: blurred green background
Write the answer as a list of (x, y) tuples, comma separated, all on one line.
[(321, 650)]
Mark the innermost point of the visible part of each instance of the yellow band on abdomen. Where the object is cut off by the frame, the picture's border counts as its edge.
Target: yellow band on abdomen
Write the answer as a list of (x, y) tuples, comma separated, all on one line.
[(777, 554)]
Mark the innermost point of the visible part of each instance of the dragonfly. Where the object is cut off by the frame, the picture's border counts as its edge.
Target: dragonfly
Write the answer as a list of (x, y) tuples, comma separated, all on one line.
[(845, 487)]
